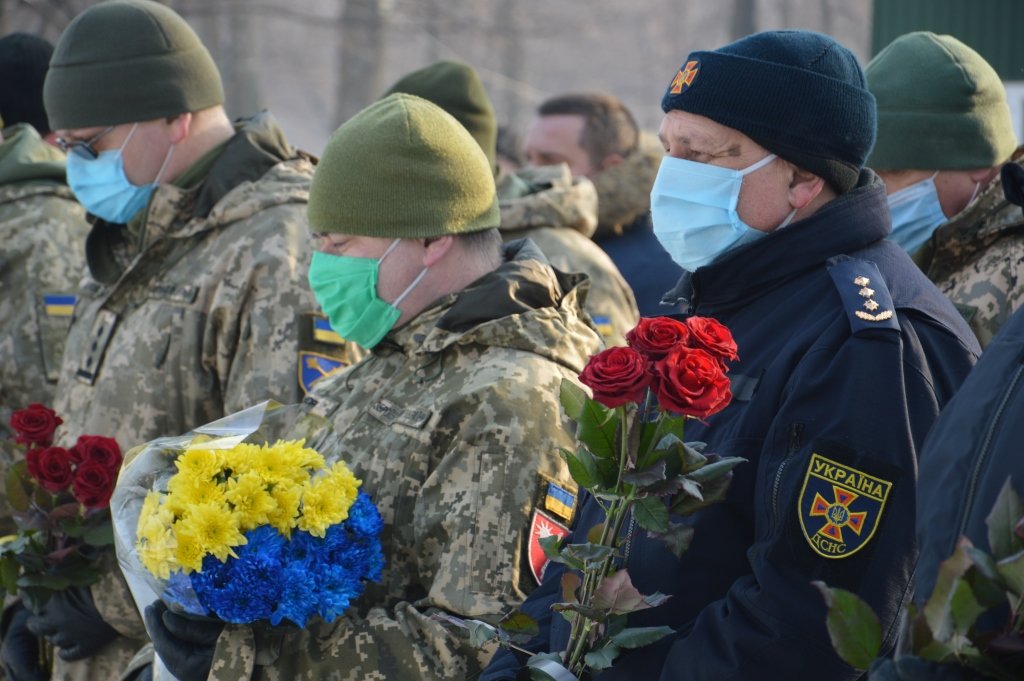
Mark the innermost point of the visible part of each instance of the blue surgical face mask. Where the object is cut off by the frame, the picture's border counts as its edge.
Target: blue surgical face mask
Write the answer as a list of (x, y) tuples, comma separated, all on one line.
[(346, 288), (916, 213), (102, 187), (693, 207)]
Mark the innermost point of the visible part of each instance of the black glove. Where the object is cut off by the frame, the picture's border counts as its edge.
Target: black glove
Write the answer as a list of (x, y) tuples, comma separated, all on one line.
[(185, 644), (70, 621), (20, 649), (910, 668)]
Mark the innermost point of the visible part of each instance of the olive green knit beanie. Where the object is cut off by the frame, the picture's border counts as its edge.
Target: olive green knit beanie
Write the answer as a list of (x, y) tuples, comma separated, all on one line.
[(125, 61), (941, 106), (402, 168), (456, 88)]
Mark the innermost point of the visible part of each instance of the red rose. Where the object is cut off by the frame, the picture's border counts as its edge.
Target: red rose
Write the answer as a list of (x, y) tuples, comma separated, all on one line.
[(35, 425), (691, 382), (94, 483), (102, 450), (616, 376), (656, 336), (51, 466), (714, 337)]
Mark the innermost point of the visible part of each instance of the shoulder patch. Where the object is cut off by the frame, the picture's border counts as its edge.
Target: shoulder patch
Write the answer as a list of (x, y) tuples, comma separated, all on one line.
[(314, 366), (59, 305), (864, 294), (542, 526), (321, 350), (840, 507), (604, 325)]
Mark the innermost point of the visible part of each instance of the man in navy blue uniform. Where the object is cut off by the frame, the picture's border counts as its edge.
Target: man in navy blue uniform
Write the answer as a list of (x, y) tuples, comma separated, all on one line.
[(847, 354)]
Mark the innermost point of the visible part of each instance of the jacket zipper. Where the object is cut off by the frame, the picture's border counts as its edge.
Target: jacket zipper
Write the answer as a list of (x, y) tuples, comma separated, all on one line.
[(986, 445), (796, 433)]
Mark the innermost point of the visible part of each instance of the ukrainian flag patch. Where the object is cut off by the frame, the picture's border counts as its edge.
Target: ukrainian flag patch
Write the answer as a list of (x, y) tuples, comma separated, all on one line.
[(603, 324), (559, 501), (323, 332), (840, 507), (313, 366), (59, 305)]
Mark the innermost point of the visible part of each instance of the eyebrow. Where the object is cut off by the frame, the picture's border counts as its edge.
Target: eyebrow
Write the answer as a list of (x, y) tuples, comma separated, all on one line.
[(732, 149)]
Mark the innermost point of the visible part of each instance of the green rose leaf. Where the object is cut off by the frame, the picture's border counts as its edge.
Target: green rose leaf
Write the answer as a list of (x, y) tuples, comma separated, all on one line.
[(1002, 520), (646, 476), (853, 627), (518, 622), (938, 609), (637, 637), (100, 535), (651, 514), (573, 398), (17, 486), (964, 607), (596, 428), (617, 595), (570, 583), (582, 467), (602, 658), (1011, 569), (715, 470), (588, 554)]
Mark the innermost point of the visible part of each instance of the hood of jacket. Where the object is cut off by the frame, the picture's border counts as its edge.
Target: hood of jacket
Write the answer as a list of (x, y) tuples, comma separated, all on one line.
[(547, 196), (624, 190), (971, 231), (255, 170), (524, 304), (25, 157)]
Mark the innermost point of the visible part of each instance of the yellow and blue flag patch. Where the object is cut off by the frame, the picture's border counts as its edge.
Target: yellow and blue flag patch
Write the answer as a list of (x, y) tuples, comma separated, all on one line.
[(603, 324), (559, 501), (840, 507), (323, 332), (59, 305)]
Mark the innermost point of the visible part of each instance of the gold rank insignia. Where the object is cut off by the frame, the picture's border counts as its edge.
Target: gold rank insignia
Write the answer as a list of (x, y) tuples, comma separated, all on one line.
[(840, 507), (869, 303)]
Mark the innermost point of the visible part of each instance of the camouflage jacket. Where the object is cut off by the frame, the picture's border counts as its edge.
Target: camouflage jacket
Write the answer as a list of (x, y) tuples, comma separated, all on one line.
[(977, 260), (453, 422), (194, 313), (42, 257), (558, 213)]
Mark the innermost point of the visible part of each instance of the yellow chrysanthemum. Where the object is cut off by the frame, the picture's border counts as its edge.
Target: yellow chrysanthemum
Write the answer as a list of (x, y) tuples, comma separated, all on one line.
[(241, 459), (200, 464), (185, 491), (287, 495), (188, 549), (250, 500), (156, 551), (214, 527), (326, 502), (289, 460)]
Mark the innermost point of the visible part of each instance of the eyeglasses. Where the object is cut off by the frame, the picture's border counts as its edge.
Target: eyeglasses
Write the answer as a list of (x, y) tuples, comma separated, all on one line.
[(83, 149)]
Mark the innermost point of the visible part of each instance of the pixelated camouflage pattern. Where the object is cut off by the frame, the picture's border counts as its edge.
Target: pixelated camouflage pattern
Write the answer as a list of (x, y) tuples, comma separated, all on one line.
[(42, 251), (624, 190), (977, 260), (558, 213), (202, 321), (451, 430)]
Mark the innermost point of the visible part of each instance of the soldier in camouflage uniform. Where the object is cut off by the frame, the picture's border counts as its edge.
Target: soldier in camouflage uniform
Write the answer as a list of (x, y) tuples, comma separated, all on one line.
[(452, 421), (977, 258), (196, 303), (42, 257), (944, 129), (544, 204)]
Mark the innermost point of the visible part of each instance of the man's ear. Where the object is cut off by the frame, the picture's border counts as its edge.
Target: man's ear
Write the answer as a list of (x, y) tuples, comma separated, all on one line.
[(436, 249), (180, 126), (804, 187)]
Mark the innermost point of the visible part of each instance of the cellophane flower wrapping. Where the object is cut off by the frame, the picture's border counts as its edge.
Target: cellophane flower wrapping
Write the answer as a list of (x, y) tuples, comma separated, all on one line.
[(236, 522)]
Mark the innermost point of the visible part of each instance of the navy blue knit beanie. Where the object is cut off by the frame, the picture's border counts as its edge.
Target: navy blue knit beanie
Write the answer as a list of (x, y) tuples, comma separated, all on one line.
[(24, 60), (799, 94)]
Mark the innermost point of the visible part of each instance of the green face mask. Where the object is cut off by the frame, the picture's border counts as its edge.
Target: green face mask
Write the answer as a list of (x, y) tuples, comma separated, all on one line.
[(346, 289)]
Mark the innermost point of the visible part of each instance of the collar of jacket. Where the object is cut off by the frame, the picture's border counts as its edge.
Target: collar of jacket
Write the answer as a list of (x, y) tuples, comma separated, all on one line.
[(547, 196), (846, 224), (250, 174), (971, 231), (523, 304)]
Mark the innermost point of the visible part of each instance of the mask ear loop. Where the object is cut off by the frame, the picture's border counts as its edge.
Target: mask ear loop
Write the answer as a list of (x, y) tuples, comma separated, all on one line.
[(163, 166), (410, 287), (760, 164)]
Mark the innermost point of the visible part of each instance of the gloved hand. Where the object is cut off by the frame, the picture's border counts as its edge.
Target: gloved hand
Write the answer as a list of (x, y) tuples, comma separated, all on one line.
[(911, 668), (20, 650), (70, 621), (185, 644)]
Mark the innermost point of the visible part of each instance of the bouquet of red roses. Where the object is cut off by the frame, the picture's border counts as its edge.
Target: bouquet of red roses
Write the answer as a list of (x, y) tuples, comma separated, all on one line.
[(632, 460), (60, 500)]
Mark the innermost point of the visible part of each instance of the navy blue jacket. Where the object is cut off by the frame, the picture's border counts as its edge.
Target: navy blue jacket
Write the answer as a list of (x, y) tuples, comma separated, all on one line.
[(826, 402), (646, 266), (974, 448)]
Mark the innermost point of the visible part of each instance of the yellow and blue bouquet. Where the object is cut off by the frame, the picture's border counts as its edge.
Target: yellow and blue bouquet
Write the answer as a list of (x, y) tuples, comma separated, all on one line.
[(249, 532)]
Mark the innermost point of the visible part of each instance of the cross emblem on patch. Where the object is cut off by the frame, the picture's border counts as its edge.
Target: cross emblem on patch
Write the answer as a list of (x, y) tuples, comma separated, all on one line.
[(685, 76)]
